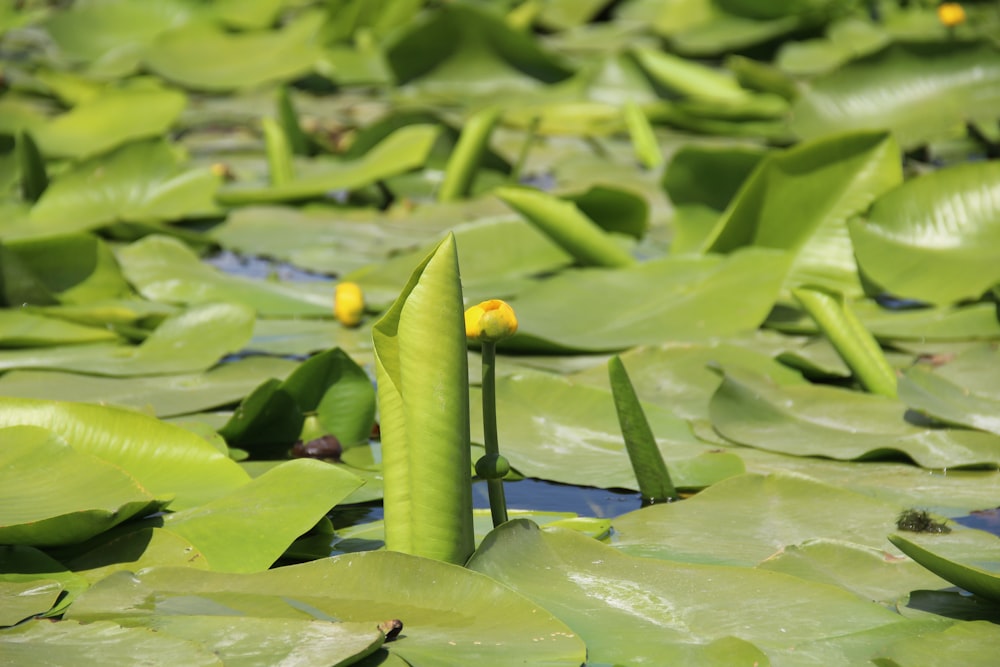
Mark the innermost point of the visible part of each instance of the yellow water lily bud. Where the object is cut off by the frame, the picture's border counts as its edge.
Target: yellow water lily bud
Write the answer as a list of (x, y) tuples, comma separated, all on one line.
[(490, 321), (951, 14), (348, 304)]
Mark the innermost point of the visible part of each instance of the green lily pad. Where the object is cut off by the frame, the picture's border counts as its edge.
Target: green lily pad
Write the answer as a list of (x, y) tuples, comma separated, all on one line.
[(162, 268), (204, 56), (825, 181), (870, 572), (838, 423), (636, 610), (56, 495), (133, 549), (754, 518), (971, 644), (553, 429), (450, 616), (405, 149), (673, 298), (967, 558), (40, 643), (162, 395), (189, 342), (303, 337), (164, 459), (113, 118), (24, 564), (70, 269), (930, 238), (920, 91), (287, 501), (949, 402), (22, 329), (139, 182), (25, 599)]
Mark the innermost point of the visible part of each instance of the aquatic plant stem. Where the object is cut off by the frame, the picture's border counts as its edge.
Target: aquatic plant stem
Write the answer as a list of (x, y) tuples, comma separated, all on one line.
[(498, 502)]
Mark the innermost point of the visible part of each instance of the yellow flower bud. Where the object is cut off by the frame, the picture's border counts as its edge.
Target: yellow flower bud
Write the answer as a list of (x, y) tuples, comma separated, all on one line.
[(490, 321), (348, 304), (951, 14)]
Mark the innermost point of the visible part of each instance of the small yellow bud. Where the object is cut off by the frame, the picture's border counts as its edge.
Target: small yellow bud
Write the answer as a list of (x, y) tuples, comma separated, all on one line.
[(951, 14), (348, 304), (490, 321), (222, 170)]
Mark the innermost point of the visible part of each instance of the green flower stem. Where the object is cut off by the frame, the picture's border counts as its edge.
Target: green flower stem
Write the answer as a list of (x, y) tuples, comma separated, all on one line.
[(494, 480)]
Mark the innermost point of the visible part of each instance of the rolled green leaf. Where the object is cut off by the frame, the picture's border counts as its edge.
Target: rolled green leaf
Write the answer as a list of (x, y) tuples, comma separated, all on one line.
[(34, 179), (288, 119), (422, 372), (651, 472), (567, 226), (467, 154), (643, 140), (855, 344), (279, 153)]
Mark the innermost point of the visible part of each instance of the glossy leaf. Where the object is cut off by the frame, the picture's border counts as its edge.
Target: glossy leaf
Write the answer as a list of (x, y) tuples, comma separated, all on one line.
[(248, 529), (556, 430), (23, 564), (837, 423), (40, 643), (422, 373), (932, 237), (635, 610), (54, 495), (753, 519), (162, 268), (611, 309), (139, 182), (203, 56), (191, 341), (110, 120), (22, 600), (72, 268), (800, 200), (22, 329), (164, 459), (919, 91), (163, 395), (445, 609)]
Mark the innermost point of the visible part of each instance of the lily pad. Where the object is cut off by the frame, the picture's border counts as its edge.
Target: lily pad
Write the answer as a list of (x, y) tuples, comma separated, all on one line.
[(189, 342), (553, 429), (164, 459), (612, 309), (204, 56), (22, 329), (838, 423), (24, 599), (40, 643), (55, 495), (139, 182), (755, 518), (165, 269), (451, 616), (921, 91), (163, 395), (930, 238), (638, 611), (113, 118)]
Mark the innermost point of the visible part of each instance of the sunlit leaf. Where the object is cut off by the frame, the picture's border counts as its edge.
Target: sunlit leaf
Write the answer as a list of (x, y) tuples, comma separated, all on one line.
[(967, 558)]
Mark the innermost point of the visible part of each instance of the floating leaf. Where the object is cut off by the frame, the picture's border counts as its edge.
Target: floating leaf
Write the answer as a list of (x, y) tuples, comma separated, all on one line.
[(932, 237), (445, 609), (203, 56), (162, 268), (164, 459), (110, 120), (967, 558), (139, 182), (25, 599), (54, 495), (815, 420), (190, 341), (921, 91)]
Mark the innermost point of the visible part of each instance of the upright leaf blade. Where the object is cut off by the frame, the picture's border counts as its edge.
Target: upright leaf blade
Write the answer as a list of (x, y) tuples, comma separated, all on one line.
[(422, 370)]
